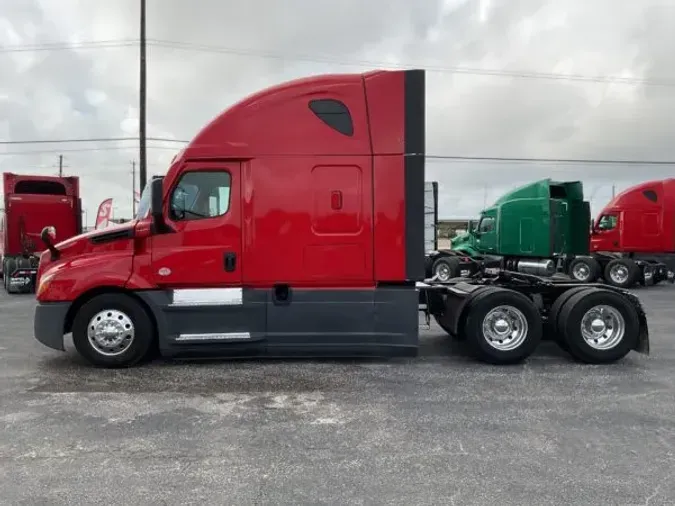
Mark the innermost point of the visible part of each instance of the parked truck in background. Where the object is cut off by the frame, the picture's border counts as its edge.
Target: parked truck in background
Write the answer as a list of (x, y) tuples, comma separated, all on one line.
[(30, 204), (438, 259), (543, 228), (633, 237), (265, 240)]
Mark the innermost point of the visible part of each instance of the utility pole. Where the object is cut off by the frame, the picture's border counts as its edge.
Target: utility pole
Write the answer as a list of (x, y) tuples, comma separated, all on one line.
[(142, 172), (613, 191), (60, 165), (133, 188)]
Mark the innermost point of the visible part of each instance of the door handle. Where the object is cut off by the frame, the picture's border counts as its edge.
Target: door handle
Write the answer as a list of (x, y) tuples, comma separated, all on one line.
[(230, 261)]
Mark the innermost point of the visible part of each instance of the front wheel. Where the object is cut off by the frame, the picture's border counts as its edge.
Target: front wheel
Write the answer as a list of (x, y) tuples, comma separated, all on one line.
[(503, 326), (113, 330), (584, 269), (445, 268)]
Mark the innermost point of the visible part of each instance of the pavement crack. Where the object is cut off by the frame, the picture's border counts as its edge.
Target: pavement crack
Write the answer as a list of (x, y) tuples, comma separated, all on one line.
[(652, 495)]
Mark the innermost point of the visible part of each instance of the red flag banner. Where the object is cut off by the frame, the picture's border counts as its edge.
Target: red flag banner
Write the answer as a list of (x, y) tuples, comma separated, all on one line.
[(104, 214)]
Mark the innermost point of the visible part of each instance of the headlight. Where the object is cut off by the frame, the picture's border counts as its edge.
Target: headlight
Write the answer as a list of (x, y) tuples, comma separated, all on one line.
[(44, 283)]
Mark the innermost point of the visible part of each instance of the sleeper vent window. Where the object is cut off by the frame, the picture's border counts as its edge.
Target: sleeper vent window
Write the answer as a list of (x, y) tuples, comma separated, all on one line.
[(650, 195), (333, 113)]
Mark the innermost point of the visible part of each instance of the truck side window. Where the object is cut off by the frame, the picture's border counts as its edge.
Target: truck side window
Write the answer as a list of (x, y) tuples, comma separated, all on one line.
[(650, 195), (333, 113), (201, 194), (607, 222), (486, 225)]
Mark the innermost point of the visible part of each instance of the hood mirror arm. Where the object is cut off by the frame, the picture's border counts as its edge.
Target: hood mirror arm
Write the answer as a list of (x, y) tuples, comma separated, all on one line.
[(46, 237)]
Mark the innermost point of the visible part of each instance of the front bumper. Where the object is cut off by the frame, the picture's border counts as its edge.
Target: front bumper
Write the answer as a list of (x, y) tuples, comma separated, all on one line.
[(49, 323)]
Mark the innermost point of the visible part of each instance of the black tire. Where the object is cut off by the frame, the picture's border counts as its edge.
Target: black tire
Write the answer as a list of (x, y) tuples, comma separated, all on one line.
[(447, 266), (446, 325), (630, 268), (587, 266), (570, 321), (480, 308), (142, 325), (647, 273), (554, 315)]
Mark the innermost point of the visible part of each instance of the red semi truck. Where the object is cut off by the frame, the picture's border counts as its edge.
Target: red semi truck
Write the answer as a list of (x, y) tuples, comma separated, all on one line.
[(633, 237), (30, 204), (293, 225)]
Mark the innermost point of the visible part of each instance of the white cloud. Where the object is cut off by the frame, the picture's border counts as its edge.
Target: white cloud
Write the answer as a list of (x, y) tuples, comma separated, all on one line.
[(93, 92)]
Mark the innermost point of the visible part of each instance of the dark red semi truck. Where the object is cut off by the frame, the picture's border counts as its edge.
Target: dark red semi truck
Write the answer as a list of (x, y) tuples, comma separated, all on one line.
[(293, 225), (30, 204), (633, 237)]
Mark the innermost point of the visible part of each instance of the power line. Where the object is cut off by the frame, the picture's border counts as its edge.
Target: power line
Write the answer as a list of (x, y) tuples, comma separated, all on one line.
[(337, 60), (431, 68), (431, 158), (579, 161), (65, 141), (65, 46), (94, 139), (74, 150)]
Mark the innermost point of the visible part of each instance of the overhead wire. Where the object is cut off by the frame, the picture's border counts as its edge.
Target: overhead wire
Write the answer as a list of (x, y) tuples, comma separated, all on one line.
[(86, 139), (333, 59), (64, 46), (320, 59), (434, 158)]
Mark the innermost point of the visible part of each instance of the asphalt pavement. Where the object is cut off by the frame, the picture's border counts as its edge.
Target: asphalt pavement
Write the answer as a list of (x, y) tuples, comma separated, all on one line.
[(440, 429)]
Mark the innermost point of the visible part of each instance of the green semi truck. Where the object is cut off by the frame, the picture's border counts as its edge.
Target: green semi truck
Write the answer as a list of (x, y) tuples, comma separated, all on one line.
[(542, 228)]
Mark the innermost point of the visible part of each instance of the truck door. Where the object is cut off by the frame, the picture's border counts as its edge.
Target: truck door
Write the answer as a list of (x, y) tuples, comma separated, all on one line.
[(559, 226), (204, 210), (606, 233), (486, 235)]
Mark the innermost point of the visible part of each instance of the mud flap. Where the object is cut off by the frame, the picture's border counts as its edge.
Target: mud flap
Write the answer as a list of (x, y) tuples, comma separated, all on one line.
[(642, 345), (21, 281)]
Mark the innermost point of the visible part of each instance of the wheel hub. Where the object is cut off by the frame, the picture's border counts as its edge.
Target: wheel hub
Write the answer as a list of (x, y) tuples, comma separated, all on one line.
[(110, 332), (619, 274), (443, 272), (598, 326), (603, 327), (505, 328), (581, 271), (502, 326)]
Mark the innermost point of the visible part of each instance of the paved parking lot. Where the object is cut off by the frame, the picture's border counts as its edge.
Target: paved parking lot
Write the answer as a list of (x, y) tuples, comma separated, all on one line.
[(439, 429)]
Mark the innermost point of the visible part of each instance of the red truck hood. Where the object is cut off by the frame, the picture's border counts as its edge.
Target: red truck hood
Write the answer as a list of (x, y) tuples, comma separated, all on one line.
[(84, 238), (78, 245)]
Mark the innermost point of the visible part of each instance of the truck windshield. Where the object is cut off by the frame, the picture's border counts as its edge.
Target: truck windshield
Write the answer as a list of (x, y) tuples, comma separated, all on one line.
[(487, 224), (143, 204)]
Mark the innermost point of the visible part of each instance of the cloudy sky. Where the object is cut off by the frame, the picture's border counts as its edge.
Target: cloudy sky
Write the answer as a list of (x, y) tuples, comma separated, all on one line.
[(498, 84)]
